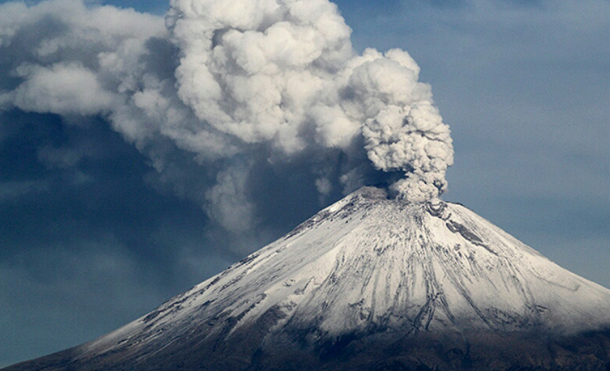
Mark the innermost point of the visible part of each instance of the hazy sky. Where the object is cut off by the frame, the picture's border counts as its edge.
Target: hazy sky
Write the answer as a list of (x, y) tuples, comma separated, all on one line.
[(96, 230)]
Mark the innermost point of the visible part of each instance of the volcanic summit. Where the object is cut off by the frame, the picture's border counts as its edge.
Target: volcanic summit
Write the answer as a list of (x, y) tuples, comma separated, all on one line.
[(371, 283)]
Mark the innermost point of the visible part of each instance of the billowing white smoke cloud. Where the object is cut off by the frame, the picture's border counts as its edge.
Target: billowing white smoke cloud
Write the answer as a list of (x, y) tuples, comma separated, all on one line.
[(238, 85), (276, 71)]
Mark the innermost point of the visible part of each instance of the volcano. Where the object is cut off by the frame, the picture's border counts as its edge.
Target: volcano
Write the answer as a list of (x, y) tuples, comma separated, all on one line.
[(371, 283)]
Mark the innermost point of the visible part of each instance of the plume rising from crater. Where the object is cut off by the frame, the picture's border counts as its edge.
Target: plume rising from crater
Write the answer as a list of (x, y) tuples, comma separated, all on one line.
[(285, 73), (219, 92)]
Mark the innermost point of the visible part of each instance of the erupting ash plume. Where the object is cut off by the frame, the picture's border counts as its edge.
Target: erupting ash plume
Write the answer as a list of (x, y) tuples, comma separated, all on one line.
[(232, 88), (285, 73)]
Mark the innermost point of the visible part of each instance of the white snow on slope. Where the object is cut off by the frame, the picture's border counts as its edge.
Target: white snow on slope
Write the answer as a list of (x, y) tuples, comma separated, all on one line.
[(371, 264)]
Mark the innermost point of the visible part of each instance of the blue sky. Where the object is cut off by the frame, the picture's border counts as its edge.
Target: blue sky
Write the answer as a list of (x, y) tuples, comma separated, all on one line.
[(92, 237)]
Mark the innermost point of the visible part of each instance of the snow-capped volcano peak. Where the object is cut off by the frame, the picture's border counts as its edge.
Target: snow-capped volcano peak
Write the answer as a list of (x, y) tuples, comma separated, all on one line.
[(369, 263), (368, 274)]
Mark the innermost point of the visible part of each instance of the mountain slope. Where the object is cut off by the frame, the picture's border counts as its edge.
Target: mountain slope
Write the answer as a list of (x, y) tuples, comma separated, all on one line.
[(372, 283)]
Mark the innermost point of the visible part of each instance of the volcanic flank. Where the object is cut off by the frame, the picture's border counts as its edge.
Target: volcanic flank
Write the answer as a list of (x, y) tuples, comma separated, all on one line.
[(371, 283)]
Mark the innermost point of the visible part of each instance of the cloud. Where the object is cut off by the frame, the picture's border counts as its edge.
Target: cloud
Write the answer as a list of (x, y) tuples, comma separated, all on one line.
[(229, 201), (61, 89), (220, 88), (286, 70), (12, 190)]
